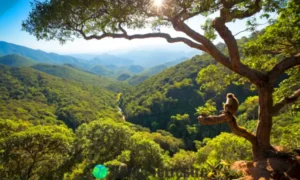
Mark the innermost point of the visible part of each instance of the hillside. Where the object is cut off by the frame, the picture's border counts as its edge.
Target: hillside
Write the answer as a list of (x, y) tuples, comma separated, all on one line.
[(171, 92), (145, 74), (139, 78), (29, 94), (168, 101), (70, 73), (102, 71), (15, 60)]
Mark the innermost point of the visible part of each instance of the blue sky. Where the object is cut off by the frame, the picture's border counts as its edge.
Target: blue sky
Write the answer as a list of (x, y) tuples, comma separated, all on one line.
[(12, 12)]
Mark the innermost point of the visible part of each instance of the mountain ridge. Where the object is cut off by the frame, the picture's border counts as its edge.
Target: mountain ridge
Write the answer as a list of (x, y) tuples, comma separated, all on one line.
[(37, 55), (15, 60)]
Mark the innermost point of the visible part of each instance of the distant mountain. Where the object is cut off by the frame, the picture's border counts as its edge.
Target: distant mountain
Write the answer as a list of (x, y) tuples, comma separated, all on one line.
[(139, 78), (102, 70), (150, 58), (146, 58), (154, 70), (135, 69), (70, 73), (15, 60), (175, 62), (38, 55), (107, 59), (131, 63), (86, 57), (113, 71), (123, 77)]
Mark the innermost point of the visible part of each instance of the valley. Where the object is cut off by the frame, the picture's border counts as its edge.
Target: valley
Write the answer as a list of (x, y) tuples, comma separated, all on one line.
[(160, 104), (149, 90)]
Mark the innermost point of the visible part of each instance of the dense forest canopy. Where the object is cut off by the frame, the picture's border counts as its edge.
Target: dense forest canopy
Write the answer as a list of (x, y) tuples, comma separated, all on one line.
[(58, 122), (33, 95)]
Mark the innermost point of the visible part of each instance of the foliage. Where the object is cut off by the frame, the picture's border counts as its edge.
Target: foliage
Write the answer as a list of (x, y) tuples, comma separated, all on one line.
[(227, 147), (174, 91), (221, 171), (286, 88), (165, 140), (145, 154), (115, 144), (28, 94), (208, 108), (31, 152), (286, 131), (183, 160), (249, 108), (279, 38)]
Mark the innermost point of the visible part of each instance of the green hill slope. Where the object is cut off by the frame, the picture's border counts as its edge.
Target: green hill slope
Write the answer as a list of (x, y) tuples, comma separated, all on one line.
[(137, 79), (70, 73), (145, 74), (15, 60), (168, 101), (174, 91), (29, 94)]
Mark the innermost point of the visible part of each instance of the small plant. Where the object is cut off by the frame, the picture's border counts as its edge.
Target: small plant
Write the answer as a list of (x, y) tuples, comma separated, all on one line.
[(221, 171)]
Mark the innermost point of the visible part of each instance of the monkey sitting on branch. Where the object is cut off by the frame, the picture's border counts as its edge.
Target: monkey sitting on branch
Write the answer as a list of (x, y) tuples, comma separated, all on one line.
[(230, 108), (231, 105)]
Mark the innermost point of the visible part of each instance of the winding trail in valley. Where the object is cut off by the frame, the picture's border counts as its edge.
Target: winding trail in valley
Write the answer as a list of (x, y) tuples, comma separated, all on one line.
[(120, 109), (121, 112)]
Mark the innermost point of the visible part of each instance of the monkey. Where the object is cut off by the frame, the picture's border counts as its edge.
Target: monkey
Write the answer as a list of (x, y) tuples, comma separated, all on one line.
[(231, 105)]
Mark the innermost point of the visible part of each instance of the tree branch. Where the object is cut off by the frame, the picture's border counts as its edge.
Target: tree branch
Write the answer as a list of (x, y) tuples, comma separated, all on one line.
[(249, 28), (231, 121), (284, 65), (228, 15), (209, 46), (287, 100), (209, 120), (143, 36), (253, 75), (122, 29), (225, 33)]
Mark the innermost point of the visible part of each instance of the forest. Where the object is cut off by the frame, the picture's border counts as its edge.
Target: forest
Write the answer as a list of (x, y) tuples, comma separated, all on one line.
[(59, 121)]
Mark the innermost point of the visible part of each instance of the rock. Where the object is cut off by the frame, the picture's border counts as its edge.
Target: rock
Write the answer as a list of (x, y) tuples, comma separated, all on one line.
[(272, 168)]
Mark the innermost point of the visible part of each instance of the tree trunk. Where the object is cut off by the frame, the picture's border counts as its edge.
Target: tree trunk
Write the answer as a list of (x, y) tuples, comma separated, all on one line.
[(264, 125)]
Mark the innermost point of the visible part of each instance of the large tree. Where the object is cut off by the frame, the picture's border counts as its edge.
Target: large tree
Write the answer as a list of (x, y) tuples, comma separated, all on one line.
[(97, 19)]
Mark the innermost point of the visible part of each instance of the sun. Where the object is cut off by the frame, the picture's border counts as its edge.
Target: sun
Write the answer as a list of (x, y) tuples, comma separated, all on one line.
[(158, 3)]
